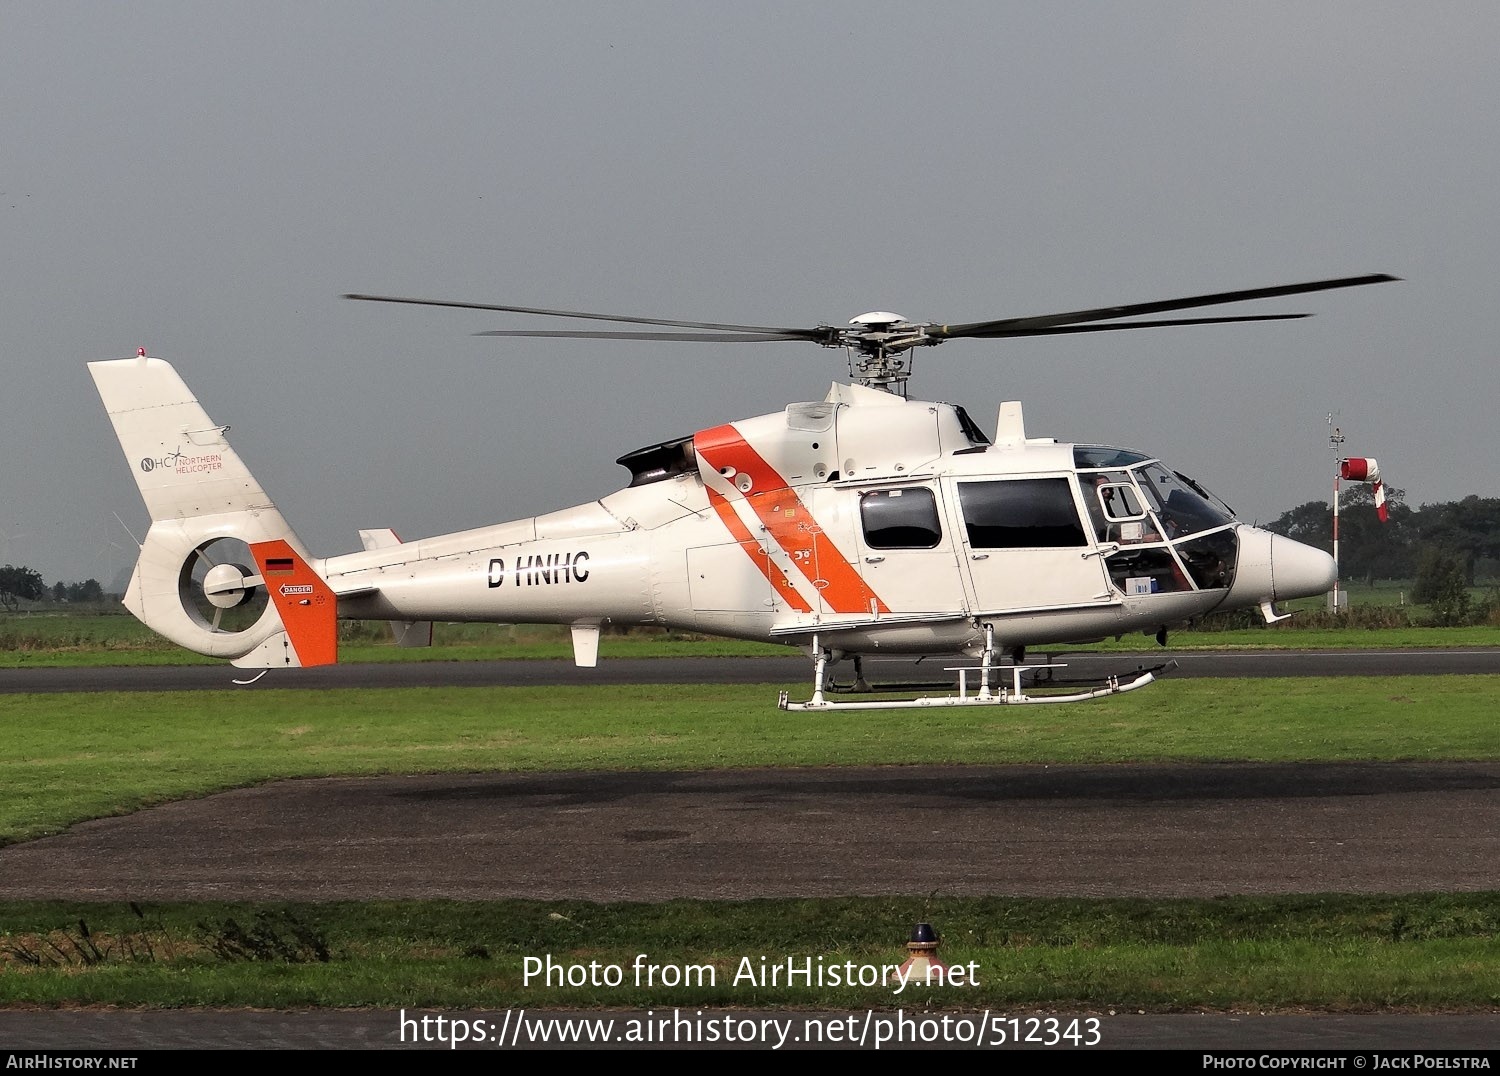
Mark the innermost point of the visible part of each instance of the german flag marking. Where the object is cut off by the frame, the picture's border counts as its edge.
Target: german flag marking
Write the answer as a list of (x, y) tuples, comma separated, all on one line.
[(308, 607)]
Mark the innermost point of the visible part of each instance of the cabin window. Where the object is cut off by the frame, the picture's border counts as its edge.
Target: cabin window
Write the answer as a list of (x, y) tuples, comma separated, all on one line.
[(1029, 513), (900, 519)]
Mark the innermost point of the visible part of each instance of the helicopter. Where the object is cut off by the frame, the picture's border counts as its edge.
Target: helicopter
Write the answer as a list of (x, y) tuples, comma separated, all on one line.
[(864, 523)]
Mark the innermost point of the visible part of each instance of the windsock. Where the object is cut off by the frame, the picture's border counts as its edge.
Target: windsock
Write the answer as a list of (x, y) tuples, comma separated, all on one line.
[(1365, 469)]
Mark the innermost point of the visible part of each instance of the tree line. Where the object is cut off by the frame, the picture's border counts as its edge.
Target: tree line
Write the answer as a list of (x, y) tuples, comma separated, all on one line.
[(1444, 548), (20, 583), (1369, 550)]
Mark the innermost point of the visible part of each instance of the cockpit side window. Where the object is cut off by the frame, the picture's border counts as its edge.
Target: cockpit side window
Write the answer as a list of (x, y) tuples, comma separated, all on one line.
[(1112, 500), (1029, 513), (1119, 501), (900, 519)]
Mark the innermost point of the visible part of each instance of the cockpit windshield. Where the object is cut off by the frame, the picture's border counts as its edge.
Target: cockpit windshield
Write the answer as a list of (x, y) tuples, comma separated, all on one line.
[(1180, 510), (1168, 532)]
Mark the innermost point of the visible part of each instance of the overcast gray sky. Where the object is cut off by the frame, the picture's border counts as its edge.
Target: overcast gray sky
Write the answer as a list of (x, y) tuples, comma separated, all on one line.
[(204, 179)]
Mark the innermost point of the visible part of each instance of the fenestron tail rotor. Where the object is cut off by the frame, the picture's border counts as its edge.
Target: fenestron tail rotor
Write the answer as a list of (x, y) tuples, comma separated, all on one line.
[(879, 342), (220, 588)]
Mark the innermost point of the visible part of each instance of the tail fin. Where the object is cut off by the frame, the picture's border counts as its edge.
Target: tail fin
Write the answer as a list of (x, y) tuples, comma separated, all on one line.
[(220, 572)]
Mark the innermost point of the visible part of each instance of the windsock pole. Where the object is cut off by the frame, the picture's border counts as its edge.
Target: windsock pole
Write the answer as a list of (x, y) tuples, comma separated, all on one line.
[(1335, 442)]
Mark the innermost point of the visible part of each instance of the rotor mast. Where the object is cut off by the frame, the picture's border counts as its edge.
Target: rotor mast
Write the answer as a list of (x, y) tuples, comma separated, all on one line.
[(879, 350)]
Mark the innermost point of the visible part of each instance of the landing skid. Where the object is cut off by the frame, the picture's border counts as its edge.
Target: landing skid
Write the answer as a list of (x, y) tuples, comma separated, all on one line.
[(969, 694), (1003, 697)]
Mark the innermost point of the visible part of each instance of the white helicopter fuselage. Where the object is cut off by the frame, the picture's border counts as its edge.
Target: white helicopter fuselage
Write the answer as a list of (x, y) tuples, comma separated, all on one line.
[(881, 524), (861, 523)]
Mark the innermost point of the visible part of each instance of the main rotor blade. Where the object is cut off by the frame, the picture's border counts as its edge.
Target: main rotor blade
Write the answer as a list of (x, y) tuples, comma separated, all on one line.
[(699, 338), (1010, 326), (1058, 329), (792, 334)]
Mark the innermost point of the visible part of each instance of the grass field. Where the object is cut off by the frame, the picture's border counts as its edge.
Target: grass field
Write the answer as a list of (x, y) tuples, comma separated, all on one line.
[(39, 641), (1434, 953), (70, 757)]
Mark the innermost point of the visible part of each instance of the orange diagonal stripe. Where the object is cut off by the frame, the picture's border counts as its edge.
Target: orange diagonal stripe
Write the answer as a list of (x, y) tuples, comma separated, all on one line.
[(736, 527), (789, 522)]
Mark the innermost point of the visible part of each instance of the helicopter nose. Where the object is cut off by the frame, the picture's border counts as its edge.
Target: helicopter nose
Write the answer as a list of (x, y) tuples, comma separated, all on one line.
[(1299, 571), (1273, 568)]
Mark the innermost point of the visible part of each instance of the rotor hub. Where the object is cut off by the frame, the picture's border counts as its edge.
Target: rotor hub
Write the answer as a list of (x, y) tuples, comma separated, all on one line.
[(226, 586), (879, 319)]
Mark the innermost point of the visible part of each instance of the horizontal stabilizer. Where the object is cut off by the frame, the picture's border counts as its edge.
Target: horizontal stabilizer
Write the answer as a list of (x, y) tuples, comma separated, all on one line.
[(407, 633)]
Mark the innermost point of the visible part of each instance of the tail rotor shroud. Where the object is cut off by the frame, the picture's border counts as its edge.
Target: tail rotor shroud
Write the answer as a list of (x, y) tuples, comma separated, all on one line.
[(221, 587)]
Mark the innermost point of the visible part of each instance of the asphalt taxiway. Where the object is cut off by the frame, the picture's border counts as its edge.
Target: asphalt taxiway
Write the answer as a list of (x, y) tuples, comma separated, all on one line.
[(790, 669), (1113, 830)]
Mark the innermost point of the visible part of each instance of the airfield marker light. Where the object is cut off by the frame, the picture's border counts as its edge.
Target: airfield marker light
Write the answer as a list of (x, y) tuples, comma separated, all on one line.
[(923, 965)]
